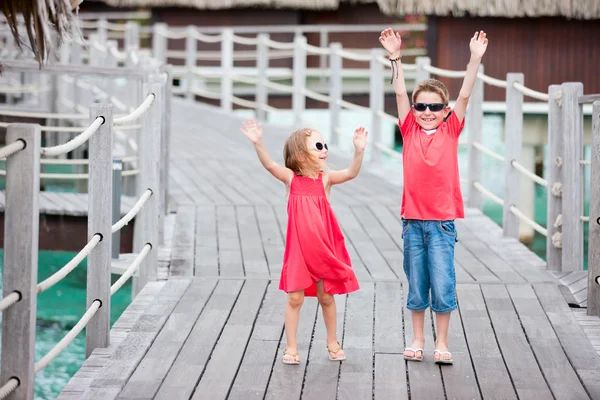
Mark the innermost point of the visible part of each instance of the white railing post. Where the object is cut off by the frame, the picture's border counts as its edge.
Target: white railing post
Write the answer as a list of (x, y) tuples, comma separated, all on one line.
[(117, 180), (513, 140), (376, 102), (97, 333), (132, 35), (555, 178), (475, 122), (421, 74), (226, 69), (146, 223), (262, 65), (335, 91), (166, 142), (159, 42), (572, 194), (102, 31), (299, 78), (323, 42), (191, 51), (594, 233), (21, 233)]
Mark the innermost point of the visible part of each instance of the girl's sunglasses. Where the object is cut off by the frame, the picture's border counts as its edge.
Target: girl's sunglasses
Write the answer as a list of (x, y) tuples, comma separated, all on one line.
[(434, 107), (319, 146)]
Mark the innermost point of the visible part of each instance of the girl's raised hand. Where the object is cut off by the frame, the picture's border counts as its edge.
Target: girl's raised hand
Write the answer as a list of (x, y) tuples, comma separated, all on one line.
[(478, 44), (390, 41), (252, 130), (360, 139)]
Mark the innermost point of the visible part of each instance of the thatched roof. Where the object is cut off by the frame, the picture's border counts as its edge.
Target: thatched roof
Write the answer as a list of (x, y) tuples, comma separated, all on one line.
[(578, 9)]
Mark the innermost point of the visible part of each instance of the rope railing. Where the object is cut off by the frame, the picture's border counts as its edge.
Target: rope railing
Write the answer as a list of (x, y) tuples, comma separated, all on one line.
[(316, 96), (585, 162), (584, 218), (317, 50), (8, 388), (71, 177), (488, 194), (75, 142), (11, 149), (29, 114), (131, 269), (444, 72), (537, 179), (133, 212), (389, 151), (353, 56), (519, 214), (244, 40), (491, 81), (205, 38), (73, 129), (137, 113), (280, 45), (485, 150), (81, 161), (351, 106), (530, 92), (9, 300)]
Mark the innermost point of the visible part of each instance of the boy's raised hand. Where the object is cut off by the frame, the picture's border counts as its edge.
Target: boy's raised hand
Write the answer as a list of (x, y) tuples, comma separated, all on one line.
[(360, 139), (252, 130), (478, 44), (390, 41)]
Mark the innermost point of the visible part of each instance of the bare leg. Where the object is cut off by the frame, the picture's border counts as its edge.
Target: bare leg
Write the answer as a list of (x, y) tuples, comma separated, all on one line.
[(327, 303), (292, 316), (418, 321), (441, 343)]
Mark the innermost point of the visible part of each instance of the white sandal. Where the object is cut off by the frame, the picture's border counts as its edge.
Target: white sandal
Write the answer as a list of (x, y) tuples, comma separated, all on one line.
[(413, 358), (441, 360)]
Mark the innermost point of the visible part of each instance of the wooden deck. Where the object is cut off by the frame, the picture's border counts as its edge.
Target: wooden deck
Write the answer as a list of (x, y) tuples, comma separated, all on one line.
[(213, 329)]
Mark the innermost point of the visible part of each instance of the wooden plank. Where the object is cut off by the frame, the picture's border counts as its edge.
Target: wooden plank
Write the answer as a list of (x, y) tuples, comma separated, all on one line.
[(209, 183), (493, 378), (253, 254), (272, 239), (555, 366), (189, 366), (517, 353), (206, 261), (130, 352), (150, 373), (472, 265), (576, 345), (389, 382), (594, 224), (182, 253), (230, 254), (356, 376)]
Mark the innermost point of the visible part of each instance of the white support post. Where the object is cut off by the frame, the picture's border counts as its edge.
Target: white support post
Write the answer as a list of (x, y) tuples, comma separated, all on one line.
[(159, 42), (132, 35), (191, 50), (166, 143), (21, 227), (299, 78), (146, 222), (475, 123), (117, 180), (422, 75), (102, 31), (226, 69), (262, 65), (335, 91), (76, 59), (513, 140), (97, 333), (555, 177), (572, 227), (376, 102), (323, 43), (110, 62), (594, 235), (162, 79)]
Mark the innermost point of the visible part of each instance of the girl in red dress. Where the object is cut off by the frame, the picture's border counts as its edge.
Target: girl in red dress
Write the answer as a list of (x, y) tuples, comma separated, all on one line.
[(316, 262)]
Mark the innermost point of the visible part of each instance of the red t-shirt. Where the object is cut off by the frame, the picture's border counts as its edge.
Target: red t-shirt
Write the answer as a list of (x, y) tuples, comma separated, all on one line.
[(431, 180)]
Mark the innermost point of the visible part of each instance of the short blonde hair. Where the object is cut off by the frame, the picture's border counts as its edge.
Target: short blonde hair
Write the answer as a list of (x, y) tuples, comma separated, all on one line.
[(432, 86), (296, 154)]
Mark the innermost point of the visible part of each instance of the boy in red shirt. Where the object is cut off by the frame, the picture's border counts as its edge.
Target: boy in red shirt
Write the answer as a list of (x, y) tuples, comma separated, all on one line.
[(431, 198)]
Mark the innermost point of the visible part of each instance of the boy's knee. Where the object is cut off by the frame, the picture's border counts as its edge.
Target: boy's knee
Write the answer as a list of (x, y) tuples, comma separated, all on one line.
[(325, 299), (295, 299)]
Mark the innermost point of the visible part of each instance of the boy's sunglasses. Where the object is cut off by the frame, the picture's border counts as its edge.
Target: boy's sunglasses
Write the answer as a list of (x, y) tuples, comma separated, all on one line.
[(319, 146), (434, 107)]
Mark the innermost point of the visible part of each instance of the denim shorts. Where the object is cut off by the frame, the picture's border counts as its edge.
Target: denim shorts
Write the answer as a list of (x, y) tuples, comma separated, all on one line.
[(429, 264)]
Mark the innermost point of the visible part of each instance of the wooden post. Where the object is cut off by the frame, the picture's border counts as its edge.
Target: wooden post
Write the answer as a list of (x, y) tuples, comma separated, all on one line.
[(162, 176), (555, 177), (335, 92), (166, 142), (572, 227), (97, 332), (132, 35), (422, 75), (594, 233), (323, 42), (376, 101), (146, 222), (191, 51), (21, 227), (226, 69), (102, 31), (159, 42), (299, 78), (117, 168), (262, 65), (513, 140), (475, 122)]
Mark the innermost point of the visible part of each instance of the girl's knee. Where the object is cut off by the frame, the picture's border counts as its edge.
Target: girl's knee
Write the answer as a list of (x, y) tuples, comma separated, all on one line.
[(295, 299), (325, 299)]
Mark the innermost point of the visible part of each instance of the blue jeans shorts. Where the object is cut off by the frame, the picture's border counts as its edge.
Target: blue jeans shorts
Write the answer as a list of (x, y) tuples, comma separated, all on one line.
[(429, 264)]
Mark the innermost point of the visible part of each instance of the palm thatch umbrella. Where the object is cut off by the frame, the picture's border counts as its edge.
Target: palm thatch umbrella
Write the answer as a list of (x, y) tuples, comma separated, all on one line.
[(40, 17)]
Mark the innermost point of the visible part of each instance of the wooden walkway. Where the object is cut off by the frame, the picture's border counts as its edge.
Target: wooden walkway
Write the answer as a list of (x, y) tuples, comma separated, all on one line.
[(214, 328)]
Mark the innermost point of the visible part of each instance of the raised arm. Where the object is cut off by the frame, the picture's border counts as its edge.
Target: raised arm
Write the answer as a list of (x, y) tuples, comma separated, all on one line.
[(392, 42), (254, 132), (478, 46), (360, 142)]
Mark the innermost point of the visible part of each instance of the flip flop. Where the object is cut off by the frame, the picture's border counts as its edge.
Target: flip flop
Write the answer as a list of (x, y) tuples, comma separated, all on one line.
[(414, 358), (342, 358), (290, 362), (442, 361)]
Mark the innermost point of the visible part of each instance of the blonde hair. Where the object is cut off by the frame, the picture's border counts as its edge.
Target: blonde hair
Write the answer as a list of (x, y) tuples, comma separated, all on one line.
[(296, 154), (432, 86)]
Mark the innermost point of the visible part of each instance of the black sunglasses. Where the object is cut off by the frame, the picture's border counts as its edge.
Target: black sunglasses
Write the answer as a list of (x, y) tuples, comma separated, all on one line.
[(434, 107), (319, 146)]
